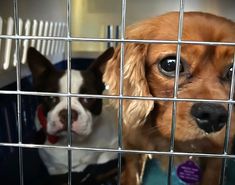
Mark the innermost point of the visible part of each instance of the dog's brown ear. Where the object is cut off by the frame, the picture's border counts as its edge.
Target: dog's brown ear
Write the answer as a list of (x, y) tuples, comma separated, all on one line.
[(98, 65), (134, 82), (38, 64)]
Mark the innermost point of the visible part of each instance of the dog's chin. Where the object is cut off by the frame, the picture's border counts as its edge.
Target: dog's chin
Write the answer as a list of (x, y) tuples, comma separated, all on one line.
[(79, 136)]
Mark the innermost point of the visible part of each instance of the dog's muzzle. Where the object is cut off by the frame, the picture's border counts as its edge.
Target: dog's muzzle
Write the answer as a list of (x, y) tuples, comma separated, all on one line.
[(210, 117), (63, 114)]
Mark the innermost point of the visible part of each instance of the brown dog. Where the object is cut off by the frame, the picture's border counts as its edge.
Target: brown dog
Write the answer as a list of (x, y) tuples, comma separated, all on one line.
[(149, 70)]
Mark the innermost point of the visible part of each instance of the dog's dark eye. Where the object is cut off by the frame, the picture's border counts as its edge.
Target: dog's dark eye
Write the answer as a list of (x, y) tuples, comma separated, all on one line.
[(167, 66), (87, 102), (53, 99), (229, 73), (50, 102)]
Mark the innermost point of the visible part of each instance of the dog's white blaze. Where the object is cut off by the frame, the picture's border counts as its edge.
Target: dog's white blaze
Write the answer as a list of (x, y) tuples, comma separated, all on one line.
[(83, 125), (76, 82)]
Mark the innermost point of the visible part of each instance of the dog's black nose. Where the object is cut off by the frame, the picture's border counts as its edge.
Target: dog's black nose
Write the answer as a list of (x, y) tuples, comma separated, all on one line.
[(209, 117), (63, 114)]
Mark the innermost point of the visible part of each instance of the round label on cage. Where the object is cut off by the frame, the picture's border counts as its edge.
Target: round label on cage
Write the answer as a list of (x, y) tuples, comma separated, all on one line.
[(189, 172)]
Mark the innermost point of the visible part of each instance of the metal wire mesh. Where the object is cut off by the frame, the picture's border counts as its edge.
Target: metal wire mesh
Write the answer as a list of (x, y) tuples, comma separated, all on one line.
[(120, 150)]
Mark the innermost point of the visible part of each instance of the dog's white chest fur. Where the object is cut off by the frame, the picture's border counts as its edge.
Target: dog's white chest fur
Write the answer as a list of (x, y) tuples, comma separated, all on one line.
[(103, 136)]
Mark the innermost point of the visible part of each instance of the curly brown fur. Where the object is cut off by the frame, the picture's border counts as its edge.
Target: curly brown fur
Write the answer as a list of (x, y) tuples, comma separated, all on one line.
[(147, 123)]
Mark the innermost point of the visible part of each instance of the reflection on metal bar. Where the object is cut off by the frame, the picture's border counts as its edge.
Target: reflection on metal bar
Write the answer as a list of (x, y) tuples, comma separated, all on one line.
[(18, 84), (115, 97), (20, 33), (88, 39), (160, 153), (176, 81), (69, 137), (120, 110)]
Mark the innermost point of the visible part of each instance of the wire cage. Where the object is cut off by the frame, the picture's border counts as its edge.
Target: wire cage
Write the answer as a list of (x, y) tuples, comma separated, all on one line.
[(56, 39)]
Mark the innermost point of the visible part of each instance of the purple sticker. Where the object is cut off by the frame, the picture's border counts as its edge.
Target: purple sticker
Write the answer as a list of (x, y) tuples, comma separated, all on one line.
[(189, 172)]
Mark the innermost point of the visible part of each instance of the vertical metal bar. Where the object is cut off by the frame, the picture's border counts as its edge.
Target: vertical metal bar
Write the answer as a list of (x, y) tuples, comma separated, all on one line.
[(174, 107), (120, 111), (18, 76), (122, 66), (110, 31), (228, 125), (69, 137)]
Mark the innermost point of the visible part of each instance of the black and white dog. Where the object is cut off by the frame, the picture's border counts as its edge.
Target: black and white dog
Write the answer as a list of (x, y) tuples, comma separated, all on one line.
[(92, 124)]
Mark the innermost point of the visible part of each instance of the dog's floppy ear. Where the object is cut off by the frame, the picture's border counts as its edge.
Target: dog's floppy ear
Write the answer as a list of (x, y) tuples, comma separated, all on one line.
[(38, 64), (135, 83), (99, 64)]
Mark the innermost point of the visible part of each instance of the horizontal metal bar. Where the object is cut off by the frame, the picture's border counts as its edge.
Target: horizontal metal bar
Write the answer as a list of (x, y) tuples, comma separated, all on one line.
[(86, 39), (29, 93), (209, 155)]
